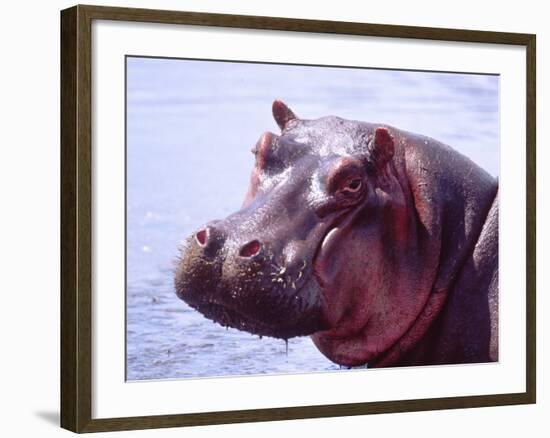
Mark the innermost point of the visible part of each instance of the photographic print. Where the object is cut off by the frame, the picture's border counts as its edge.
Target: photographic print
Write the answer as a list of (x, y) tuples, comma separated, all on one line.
[(353, 225)]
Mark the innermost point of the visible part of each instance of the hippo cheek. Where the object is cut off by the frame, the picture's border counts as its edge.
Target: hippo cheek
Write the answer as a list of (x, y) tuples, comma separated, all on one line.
[(347, 266), (368, 300)]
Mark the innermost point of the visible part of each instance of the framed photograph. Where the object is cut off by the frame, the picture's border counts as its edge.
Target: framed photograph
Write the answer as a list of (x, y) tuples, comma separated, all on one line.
[(267, 218)]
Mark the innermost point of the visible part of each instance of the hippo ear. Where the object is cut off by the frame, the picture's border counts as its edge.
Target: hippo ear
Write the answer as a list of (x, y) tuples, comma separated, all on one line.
[(282, 114), (381, 148)]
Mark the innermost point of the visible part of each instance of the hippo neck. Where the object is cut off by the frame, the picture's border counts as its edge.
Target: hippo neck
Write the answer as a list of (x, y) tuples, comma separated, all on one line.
[(452, 197)]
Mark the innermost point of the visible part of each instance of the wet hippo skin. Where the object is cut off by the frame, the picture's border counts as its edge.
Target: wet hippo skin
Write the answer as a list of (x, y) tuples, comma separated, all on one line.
[(380, 244)]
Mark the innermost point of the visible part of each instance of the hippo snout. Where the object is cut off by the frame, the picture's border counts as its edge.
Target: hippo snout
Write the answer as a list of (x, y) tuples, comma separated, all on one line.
[(211, 239), (240, 279)]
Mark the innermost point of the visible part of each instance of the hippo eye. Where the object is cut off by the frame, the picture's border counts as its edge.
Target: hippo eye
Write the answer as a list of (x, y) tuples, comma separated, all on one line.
[(353, 185)]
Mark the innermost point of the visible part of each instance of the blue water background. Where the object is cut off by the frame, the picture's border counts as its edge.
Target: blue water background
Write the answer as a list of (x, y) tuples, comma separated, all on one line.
[(190, 128)]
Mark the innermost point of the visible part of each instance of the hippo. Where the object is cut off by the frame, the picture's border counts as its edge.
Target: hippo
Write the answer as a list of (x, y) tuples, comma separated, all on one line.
[(379, 244)]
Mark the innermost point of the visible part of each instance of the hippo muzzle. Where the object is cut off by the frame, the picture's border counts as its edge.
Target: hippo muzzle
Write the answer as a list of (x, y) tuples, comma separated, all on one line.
[(240, 276)]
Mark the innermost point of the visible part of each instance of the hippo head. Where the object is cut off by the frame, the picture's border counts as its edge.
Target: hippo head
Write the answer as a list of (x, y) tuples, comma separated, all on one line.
[(329, 242)]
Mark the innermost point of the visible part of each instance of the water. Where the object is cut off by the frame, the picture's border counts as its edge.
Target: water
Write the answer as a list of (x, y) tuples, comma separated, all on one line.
[(190, 127)]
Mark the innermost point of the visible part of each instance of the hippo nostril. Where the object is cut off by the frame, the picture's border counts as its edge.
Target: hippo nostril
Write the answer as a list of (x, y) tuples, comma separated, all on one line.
[(201, 237), (250, 249)]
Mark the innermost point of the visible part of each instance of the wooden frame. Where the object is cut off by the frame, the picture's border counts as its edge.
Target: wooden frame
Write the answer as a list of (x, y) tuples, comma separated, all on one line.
[(76, 173)]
